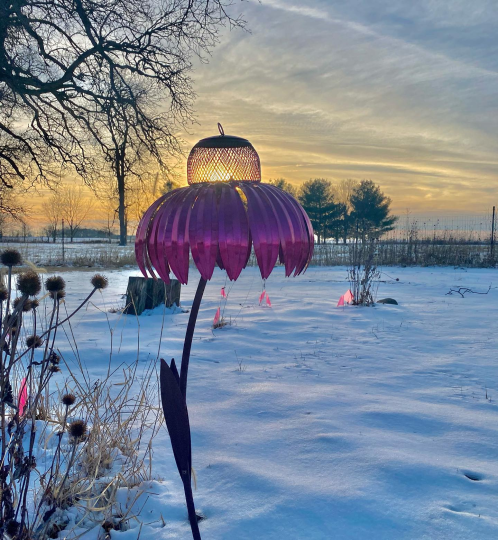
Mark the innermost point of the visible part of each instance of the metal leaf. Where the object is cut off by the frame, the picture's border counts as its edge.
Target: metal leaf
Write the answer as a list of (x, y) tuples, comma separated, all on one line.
[(176, 416)]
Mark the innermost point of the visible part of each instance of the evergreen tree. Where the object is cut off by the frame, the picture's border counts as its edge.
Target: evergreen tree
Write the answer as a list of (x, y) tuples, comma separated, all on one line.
[(370, 211), (317, 198)]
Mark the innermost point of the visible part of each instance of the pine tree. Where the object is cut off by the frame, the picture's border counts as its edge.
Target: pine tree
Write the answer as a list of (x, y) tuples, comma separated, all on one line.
[(317, 198), (370, 211)]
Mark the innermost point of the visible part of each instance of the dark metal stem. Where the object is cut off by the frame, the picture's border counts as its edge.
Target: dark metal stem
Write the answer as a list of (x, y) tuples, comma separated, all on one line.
[(187, 345), (192, 516)]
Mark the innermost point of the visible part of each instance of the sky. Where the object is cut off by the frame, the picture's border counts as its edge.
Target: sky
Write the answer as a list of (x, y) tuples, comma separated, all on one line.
[(404, 93)]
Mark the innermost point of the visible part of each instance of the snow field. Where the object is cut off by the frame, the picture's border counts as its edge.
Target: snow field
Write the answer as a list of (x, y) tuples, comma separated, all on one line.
[(315, 422)]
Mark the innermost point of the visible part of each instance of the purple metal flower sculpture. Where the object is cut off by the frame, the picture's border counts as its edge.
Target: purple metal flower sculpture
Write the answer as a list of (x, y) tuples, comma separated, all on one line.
[(223, 213)]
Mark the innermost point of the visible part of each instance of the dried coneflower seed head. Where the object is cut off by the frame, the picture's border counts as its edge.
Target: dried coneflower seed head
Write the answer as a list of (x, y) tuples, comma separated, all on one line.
[(29, 283), (54, 369), (16, 301), (3, 293), (34, 303), (77, 429), (99, 281), (54, 358), (11, 257), (68, 399), (27, 306), (55, 284), (33, 342)]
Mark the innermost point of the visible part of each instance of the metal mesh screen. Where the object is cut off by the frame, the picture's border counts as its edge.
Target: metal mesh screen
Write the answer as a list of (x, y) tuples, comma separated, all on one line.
[(223, 164)]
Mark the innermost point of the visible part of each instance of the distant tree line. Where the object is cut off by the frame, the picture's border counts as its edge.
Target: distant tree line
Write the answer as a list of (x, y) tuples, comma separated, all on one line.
[(349, 210)]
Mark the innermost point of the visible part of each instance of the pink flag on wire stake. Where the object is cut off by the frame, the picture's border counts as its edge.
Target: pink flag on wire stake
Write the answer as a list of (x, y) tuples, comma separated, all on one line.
[(223, 293), (262, 297), (268, 303), (341, 301), (23, 397), (216, 319), (348, 296)]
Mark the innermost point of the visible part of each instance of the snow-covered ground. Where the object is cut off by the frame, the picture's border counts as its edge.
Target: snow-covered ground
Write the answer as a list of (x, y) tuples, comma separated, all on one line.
[(316, 422)]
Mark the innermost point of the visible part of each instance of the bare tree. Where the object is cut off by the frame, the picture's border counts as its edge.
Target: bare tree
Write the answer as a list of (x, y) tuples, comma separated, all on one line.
[(52, 214), (13, 207), (73, 75), (74, 208), (125, 201), (133, 144), (343, 190), (25, 230), (109, 202), (141, 194)]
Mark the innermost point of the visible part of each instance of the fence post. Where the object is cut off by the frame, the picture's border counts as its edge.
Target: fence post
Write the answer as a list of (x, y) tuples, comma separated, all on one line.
[(63, 242), (493, 232)]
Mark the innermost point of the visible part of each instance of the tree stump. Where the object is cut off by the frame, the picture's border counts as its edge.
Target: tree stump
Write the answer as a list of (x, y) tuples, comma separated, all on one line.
[(147, 293)]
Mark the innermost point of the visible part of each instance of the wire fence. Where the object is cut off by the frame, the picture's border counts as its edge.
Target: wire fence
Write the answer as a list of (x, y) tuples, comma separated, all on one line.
[(455, 228), (425, 240)]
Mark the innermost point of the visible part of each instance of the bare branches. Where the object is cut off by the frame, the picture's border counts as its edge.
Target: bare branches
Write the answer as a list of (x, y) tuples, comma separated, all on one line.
[(66, 66), (74, 208), (462, 291)]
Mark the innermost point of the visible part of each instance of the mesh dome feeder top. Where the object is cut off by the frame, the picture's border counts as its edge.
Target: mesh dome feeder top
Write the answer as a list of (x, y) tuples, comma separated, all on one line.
[(223, 158)]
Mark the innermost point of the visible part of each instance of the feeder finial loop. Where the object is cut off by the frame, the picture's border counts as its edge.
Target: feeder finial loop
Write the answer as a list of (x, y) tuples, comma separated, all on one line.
[(220, 129)]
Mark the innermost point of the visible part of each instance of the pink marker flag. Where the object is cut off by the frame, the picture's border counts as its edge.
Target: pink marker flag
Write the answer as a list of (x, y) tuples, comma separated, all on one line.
[(262, 297), (23, 397), (341, 301), (348, 296), (268, 303), (223, 293), (216, 319)]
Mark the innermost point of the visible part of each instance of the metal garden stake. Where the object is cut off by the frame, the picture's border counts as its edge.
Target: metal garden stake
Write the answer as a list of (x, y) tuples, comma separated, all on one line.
[(222, 214)]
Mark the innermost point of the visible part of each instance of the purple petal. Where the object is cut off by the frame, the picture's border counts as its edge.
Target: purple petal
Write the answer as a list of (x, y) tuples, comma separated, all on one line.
[(264, 227), (203, 230), (156, 239), (303, 232), (287, 227), (176, 239), (141, 234), (234, 240)]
